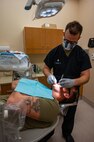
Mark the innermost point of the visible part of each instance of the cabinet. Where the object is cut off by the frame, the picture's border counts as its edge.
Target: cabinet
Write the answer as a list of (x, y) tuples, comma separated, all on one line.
[(5, 83), (41, 40), (5, 89)]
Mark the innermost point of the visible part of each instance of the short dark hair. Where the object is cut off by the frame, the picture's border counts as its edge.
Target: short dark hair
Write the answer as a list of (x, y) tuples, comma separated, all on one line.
[(74, 27)]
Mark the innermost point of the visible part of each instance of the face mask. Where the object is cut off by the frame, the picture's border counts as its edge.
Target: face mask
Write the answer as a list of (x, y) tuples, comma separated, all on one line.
[(68, 46)]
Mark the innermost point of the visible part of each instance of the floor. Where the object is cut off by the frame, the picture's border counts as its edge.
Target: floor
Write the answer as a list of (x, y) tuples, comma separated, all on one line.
[(84, 125)]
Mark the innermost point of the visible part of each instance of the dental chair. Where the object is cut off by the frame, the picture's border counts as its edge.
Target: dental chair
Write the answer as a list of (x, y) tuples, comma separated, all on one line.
[(38, 135), (64, 106), (12, 120)]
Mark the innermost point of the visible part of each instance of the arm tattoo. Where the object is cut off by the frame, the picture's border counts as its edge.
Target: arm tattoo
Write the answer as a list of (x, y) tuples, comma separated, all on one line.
[(36, 105)]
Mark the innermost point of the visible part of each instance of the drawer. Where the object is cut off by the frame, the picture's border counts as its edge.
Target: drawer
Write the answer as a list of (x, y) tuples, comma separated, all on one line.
[(5, 89)]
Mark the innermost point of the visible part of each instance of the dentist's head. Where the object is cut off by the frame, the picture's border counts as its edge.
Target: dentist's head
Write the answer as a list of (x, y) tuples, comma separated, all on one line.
[(72, 34)]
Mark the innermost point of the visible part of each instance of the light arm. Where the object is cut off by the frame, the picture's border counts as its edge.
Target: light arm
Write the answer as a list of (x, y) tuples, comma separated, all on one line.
[(46, 70), (29, 4), (84, 78)]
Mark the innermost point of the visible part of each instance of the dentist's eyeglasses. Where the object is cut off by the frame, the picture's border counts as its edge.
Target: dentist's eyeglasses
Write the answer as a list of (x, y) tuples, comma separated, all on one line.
[(71, 42)]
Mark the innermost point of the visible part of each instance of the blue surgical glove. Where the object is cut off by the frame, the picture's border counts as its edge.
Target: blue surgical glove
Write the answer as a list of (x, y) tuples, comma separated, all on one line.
[(67, 83), (51, 79)]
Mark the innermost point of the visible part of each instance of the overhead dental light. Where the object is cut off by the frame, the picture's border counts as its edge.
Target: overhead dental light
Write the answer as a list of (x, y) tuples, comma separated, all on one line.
[(45, 8), (29, 4)]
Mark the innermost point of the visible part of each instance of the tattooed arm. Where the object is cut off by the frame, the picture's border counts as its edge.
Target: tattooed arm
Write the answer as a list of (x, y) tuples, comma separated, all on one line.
[(31, 104)]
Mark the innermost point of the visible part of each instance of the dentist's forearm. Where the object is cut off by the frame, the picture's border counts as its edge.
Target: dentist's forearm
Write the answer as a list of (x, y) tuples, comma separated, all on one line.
[(46, 71), (84, 78), (81, 80)]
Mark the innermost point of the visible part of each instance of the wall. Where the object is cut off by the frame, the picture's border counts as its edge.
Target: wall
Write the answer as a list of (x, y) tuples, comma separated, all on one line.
[(13, 18), (86, 8), (88, 90)]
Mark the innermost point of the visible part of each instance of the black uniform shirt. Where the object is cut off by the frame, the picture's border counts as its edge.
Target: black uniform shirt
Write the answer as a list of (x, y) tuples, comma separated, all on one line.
[(69, 66)]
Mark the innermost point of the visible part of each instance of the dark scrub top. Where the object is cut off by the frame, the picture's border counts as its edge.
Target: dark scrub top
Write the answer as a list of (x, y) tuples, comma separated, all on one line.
[(70, 66)]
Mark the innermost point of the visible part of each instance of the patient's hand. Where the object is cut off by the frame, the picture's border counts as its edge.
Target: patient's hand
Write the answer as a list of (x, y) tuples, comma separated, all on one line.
[(14, 84)]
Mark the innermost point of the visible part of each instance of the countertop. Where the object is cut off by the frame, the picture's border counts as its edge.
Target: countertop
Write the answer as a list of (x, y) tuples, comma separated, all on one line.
[(5, 79), (8, 79), (37, 75)]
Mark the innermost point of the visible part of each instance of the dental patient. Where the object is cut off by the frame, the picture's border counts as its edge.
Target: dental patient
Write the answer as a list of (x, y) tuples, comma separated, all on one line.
[(41, 110)]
